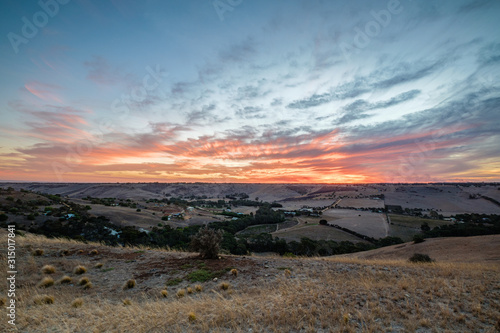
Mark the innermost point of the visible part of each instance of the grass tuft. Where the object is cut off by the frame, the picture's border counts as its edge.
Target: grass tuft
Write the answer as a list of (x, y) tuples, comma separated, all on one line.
[(189, 290), (198, 288), (65, 280), (48, 269), (129, 284), (38, 252), (43, 299), (164, 293), (98, 265), (126, 302), (77, 303), (46, 282), (234, 272), (83, 281), (80, 270), (224, 286), (94, 252), (192, 316), (181, 293)]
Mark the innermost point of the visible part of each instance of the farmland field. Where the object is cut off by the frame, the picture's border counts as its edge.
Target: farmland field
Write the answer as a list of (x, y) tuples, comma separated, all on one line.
[(366, 223)]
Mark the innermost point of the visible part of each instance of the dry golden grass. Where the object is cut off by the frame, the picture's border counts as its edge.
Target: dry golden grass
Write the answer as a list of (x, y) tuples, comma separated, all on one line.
[(83, 281), (322, 294), (65, 280), (48, 269), (234, 272), (46, 282), (77, 303), (80, 270)]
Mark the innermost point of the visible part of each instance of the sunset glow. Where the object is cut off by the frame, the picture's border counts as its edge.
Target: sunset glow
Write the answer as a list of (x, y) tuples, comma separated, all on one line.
[(267, 92)]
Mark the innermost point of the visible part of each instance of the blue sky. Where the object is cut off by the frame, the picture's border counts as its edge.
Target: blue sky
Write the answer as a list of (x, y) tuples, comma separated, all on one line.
[(250, 91)]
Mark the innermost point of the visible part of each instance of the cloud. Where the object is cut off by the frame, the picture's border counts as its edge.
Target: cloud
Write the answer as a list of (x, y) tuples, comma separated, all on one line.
[(101, 72)]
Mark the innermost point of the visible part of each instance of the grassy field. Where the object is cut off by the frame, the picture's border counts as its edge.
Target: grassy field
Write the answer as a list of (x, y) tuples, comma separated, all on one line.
[(316, 232), (267, 294), (415, 222)]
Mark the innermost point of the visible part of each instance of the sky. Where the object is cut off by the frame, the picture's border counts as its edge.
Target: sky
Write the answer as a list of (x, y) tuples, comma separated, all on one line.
[(282, 91)]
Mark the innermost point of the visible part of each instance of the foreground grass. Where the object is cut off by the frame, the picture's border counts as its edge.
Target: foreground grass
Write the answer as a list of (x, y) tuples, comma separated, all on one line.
[(316, 294)]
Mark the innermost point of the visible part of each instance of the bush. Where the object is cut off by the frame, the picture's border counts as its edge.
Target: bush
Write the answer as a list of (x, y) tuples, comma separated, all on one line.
[(418, 239), (200, 275), (207, 242), (3, 217), (323, 222), (418, 257)]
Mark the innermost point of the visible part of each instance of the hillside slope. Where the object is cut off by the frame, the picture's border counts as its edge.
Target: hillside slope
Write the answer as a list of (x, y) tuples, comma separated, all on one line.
[(475, 249), (268, 294)]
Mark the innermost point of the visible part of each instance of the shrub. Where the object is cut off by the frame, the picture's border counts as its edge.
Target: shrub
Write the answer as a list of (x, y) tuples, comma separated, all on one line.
[(418, 239), (198, 288), (3, 217), (164, 293), (181, 293), (38, 252), (65, 280), (173, 282), (129, 284), (224, 286), (234, 272), (323, 222), (200, 275), (43, 299), (80, 270), (48, 269), (207, 243), (77, 302), (418, 257), (46, 282), (83, 281)]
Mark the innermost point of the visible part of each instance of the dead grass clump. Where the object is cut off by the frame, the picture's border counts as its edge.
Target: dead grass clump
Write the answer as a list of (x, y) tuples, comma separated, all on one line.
[(94, 252), (181, 293), (98, 265), (46, 282), (126, 302), (420, 258), (224, 286), (198, 288), (63, 253), (164, 293), (3, 301), (287, 273), (83, 281), (80, 251), (129, 284), (65, 280), (80, 269), (88, 285), (234, 272), (38, 252), (48, 269), (77, 302), (190, 290), (43, 299), (192, 316)]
